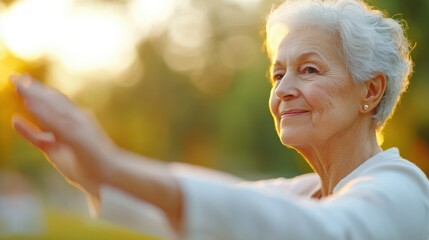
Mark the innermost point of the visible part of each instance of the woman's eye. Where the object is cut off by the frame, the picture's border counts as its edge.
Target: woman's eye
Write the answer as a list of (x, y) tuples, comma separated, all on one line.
[(277, 77), (310, 70)]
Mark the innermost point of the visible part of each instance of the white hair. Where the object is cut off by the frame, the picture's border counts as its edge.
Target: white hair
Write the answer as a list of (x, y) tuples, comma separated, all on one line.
[(371, 42)]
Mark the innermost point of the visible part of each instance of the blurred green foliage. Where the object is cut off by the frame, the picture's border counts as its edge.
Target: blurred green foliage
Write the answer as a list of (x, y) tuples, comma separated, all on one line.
[(66, 226)]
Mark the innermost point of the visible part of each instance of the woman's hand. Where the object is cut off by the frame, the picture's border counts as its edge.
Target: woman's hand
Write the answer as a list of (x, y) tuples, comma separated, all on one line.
[(80, 150), (70, 137)]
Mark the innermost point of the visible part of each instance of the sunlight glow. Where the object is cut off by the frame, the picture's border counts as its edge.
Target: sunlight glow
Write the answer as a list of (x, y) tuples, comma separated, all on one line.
[(95, 39), (149, 17), (246, 3), (83, 39), (189, 35), (27, 27), (8, 65), (276, 34), (190, 29)]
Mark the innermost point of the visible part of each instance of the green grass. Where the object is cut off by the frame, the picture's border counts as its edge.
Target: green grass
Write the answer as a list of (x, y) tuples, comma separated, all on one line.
[(63, 226)]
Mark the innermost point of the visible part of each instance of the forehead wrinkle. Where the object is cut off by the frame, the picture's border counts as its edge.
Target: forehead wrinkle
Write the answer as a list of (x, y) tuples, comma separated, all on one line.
[(301, 42), (304, 48)]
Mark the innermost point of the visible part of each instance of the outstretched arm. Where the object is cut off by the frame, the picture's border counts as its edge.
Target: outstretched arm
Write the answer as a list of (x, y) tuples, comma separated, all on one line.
[(79, 149)]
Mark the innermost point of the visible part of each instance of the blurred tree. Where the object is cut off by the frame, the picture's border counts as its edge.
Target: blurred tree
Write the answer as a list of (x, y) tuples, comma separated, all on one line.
[(403, 130)]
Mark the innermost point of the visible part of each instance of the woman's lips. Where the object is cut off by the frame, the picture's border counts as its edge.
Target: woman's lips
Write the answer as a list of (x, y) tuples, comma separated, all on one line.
[(292, 113)]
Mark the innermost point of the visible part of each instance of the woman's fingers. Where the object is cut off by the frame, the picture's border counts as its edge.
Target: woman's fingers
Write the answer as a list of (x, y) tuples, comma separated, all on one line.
[(54, 111), (22, 83), (35, 97), (58, 117), (32, 133), (70, 137), (42, 101)]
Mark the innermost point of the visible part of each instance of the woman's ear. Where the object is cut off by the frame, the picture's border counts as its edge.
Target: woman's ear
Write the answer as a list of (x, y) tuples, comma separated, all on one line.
[(374, 92)]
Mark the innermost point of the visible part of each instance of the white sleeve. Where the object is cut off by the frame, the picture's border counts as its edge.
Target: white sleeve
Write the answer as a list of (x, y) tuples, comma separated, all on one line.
[(391, 203), (123, 209)]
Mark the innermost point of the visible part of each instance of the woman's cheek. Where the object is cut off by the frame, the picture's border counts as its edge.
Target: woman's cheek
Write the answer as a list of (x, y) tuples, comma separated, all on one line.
[(320, 98), (274, 105)]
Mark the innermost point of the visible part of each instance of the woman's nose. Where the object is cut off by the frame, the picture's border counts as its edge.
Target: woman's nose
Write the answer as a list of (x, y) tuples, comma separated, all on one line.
[(286, 89)]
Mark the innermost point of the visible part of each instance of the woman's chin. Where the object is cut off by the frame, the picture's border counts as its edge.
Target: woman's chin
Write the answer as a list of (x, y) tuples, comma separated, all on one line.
[(291, 141)]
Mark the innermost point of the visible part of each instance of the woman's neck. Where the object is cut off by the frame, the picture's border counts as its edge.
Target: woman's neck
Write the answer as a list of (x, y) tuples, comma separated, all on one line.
[(340, 155)]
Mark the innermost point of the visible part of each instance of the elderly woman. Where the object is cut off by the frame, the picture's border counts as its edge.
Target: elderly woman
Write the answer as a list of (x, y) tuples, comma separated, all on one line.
[(338, 71)]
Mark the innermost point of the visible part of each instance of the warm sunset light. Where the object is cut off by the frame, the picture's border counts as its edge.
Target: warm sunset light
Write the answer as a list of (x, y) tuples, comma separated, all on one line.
[(82, 38), (28, 27), (8, 65), (3, 84), (95, 39), (3, 54), (246, 3), (150, 17)]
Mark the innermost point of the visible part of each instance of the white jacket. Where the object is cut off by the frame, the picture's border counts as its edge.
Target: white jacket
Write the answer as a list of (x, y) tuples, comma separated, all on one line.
[(386, 197)]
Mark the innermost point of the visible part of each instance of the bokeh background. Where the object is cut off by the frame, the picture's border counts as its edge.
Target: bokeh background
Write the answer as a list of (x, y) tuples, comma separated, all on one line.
[(175, 80)]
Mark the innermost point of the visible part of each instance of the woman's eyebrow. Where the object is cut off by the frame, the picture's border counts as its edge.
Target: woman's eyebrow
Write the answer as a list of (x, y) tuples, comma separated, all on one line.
[(299, 57)]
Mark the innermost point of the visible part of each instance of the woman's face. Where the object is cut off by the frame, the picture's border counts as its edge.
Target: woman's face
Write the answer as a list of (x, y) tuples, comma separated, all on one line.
[(313, 99)]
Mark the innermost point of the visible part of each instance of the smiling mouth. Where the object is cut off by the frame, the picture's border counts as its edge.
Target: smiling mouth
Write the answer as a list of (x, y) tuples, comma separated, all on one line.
[(292, 113)]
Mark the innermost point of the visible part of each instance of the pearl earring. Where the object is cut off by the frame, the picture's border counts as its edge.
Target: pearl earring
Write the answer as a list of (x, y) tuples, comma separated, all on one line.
[(365, 107)]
